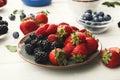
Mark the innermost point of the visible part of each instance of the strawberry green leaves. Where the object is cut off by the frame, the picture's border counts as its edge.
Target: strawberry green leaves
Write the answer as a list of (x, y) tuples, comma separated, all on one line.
[(111, 4), (11, 48), (106, 56), (18, 11)]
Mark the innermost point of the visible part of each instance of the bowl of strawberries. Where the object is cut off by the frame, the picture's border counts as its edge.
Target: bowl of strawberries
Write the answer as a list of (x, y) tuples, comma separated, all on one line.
[(59, 46)]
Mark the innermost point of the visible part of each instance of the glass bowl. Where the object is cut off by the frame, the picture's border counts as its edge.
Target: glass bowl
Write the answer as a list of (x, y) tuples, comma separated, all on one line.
[(95, 27)]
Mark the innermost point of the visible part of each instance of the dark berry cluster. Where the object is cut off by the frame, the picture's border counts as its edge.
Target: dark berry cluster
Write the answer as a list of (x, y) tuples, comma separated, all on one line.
[(40, 47), (3, 26), (100, 16)]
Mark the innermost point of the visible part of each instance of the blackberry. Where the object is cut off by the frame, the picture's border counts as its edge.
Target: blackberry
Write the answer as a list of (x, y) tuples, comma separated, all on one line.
[(3, 26), (30, 38), (119, 24), (41, 57), (41, 37), (39, 43), (0, 17), (3, 29), (46, 45), (58, 44), (33, 41), (29, 49), (37, 49)]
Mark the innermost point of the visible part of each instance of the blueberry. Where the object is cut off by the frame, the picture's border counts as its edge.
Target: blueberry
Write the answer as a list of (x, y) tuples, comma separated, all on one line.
[(101, 13), (0, 17), (15, 35), (107, 17), (32, 15), (88, 16), (88, 11), (22, 16), (12, 17), (100, 18), (84, 18), (95, 19)]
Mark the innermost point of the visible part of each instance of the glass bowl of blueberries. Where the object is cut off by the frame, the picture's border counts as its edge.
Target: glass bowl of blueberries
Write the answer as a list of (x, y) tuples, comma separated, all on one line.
[(95, 22)]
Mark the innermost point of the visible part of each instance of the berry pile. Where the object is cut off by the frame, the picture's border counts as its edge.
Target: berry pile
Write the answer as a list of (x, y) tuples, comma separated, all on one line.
[(59, 44), (32, 22), (3, 26), (89, 15)]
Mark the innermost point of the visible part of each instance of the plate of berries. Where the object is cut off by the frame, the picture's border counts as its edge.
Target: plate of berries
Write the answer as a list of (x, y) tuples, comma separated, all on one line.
[(59, 46)]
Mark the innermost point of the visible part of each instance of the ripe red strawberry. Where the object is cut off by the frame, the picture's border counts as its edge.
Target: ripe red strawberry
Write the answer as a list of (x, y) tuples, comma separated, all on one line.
[(83, 30), (81, 36), (91, 44), (42, 30), (28, 26), (75, 38), (41, 18), (51, 29), (1, 3), (57, 57), (74, 28), (63, 23), (52, 37), (5, 2), (64, 31), (87, 34), (68, 48), (68, 40), (111, 57), (79, 53)]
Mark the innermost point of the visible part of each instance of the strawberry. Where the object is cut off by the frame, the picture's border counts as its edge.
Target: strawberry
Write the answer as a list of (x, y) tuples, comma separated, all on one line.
[(57, 57), (52, 29), (41, 18), (82, 30), (28, 26), (42, 30), (64, 31), (5, 2), (81, 36), (79, 53), (1, 3), (111, 57), (74, 28), (68, 48), (91, 44), (75, 38), (63, 23), (68, 40), (87, 34), (52, 38)]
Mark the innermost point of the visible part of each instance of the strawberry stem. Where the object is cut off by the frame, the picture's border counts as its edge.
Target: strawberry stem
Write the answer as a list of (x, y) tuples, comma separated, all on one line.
[(77, 58), (75, 39), (106, 56), (61, 32), (44, 12), (61, 57)]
